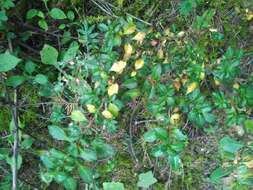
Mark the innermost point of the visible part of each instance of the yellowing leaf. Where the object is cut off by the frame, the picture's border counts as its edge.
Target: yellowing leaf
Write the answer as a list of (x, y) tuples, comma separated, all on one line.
[(118, 67), (191, 87), (139, 37), (139, 64), (236, 86), (128, 51), (113, 89), (174, 118), (129, 29), (133, 73), (249, 15), (107, 114), (91, 108), (202, 75), (217, 82)]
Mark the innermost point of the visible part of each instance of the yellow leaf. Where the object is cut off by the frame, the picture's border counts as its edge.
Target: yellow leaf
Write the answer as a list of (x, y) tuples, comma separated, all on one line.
[(133, 73), (139, 37), (128, 51), (236, 86), (118, 67), (174, 118), (217, 82), (191, 87), (91, 108), (249, 15), (129, 29), (139, 64), (113, 89), (202, 75), (107, 114)]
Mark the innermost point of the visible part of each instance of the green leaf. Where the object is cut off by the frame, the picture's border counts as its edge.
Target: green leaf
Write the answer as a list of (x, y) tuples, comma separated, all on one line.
[(218, 173), (49, 55), (31, 13), (43, 24), (113, 186), (174, 161), (57, 13), (150, 136), (30, 67), (41, 79), (88, 155), (71, 15), (3, 16), (230, 145), (71, 52), (78, 116), (85, 174), (249, 126), (8, 62), (70, 183), (146, 180), (57, 133), (15, 81), (113, 109)]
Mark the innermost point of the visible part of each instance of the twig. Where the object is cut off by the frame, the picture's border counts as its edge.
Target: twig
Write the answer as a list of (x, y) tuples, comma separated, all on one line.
[(14, 112)]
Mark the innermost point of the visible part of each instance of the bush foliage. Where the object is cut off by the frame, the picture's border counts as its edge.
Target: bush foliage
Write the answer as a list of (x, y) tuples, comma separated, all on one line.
[(126, 94)]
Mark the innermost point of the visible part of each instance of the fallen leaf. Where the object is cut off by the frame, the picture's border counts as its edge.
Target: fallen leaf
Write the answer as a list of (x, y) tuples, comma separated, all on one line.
[(113, 89), (118, 67)]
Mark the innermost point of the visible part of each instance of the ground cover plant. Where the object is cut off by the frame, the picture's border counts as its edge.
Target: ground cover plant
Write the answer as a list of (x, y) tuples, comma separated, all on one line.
[(126, 94)]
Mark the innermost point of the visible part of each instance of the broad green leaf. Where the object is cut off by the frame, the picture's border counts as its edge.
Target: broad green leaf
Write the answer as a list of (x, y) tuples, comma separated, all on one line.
[(103, 150), (150, 136), (15, 81), (41, 79), (49, 55), (78, 116), (57, 13), (113, 109), (230, 145), (70, 183), (218, 173), (43, 24), (71, 52), (57, 133), (8, 62), (31, 13), (174, 161), (85, 174), (249, 126), (30, 67), (146, 180), (71, 15), (88, 154), (113, 186)]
